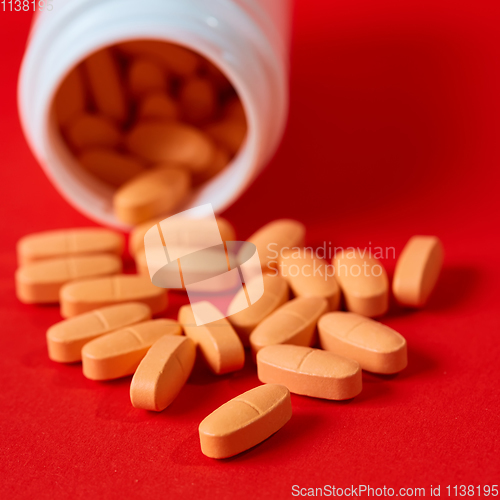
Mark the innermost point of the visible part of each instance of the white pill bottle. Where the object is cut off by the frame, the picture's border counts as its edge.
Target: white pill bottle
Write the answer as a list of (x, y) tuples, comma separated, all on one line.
[(248, 40)]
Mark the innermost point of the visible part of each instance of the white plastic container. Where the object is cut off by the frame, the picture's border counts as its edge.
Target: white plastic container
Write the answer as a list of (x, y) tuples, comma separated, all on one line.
[(247, 39)]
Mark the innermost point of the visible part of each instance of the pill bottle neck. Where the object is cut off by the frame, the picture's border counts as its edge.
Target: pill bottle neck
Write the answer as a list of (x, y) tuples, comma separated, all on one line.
[(241, 44)]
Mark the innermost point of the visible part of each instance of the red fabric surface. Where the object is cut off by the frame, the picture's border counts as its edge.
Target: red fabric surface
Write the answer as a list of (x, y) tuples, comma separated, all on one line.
[(393, 131)]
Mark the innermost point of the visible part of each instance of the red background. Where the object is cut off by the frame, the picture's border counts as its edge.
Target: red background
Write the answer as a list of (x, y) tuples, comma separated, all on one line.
[(393, 131)]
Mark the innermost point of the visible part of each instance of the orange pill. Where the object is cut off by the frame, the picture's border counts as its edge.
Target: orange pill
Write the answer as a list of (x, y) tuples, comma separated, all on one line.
[(170, 141), (66, 338), (310, 372), (276, 236), (182, 232), (162, 373), (86, 295), (152, 193), (376, 347), (70, 99), (245, 421), (105, 85), (68, 243), (88, 131), (234, 109), (119, 353), (228, 132), (363, 282), (198, 100), (158, 105), (110, 166), (244, 322), (217, 341), (179, 60), (41, 282), (220, 161), (292, 323), (145, 75), (309, 276), (217, 77), (417, 270)]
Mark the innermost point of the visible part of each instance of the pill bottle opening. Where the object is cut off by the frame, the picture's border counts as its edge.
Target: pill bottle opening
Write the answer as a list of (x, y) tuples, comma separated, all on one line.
[(102, 104)]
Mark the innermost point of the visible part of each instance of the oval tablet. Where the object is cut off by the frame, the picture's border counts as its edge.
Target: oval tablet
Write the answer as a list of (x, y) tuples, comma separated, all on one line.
[(272, 238), (68, 243), (152, 193), (110, 166), (376, 347), (158, 105), (244, 322), (162, 373), (218, 342), (89, 131), (145, 75), (310, 372), (119, 353), (309, 276), (245, 421), (228, 132), (171, 141), (103, 78), (40, 282), (182, 232), (417, 270), (66, 338), (198, 100), (363, 281), (70, 98), (86, 295), (220, 161), (292, 323)]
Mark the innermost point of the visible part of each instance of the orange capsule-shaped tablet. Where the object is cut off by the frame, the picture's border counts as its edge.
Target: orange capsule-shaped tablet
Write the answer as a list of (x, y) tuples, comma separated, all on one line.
[(417, 270), (228, 132), (86, 295), (103, 77), (376, 347), (310, 276), (170, 141), (246, 320), (310, 372), (272, 238), (363, 281), (40, 282), (158, 105), (218, 342), (154, 192), (68, 243), (245, 421), (70, 99), (162, 373), (198, 100), (88, 131), (220, 161), (182, 232), (110, 166), (145, 75), (66, 338), (119, 353), (292, 323)]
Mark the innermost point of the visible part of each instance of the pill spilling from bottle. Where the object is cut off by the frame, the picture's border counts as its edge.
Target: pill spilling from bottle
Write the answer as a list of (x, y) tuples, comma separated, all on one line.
[(300, 339)]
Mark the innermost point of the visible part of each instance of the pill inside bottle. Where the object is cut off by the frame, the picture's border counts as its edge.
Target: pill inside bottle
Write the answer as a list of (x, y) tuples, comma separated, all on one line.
[(134, 107)]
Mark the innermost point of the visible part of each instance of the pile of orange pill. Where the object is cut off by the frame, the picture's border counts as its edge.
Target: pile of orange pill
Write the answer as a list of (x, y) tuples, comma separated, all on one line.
[(150, 120), (300, 340)]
